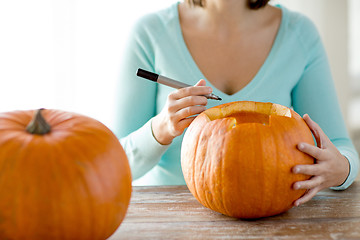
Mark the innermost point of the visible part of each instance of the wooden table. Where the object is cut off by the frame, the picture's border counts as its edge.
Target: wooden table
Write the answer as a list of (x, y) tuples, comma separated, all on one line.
[(173, 213)]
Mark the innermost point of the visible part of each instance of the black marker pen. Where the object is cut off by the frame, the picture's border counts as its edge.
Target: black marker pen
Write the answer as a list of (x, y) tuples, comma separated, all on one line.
[(168, 82)]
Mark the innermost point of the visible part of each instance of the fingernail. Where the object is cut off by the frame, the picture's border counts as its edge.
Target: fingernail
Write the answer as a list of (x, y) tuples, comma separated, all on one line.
[(209, 89), (301, 146), (306, 115), (296, 170)]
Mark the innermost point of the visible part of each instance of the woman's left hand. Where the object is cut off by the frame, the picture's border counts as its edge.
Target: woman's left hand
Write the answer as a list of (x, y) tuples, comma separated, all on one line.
[(331, 168)]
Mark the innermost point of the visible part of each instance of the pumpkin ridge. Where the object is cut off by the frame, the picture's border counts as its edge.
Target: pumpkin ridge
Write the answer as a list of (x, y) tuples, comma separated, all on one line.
[(224, 207), (263, 146), (51, 192), (278, 197), (16, 211), (188, 162), (276, 180), (57, 185), (109, 176), (84, 183), (261, 165), (7, 165), (211, 179), (216, 182), (196, 195), (58, 118), (221, 202), (11, 120), (101, 188), (70, 177), (204, 165), (224, 147), (197, 169), (82, 155), (206, 139), (25, 188)]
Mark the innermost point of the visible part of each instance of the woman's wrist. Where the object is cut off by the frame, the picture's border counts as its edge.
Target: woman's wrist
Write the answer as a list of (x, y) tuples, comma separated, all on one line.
[(346, 171), (159, 131)]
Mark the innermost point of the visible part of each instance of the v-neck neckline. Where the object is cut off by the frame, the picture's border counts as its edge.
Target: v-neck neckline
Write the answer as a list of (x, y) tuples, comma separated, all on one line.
[(196, 72)]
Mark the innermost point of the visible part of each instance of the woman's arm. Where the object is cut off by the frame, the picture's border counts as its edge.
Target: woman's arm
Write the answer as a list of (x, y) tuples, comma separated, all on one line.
[(337, 162), (145, 135), (136, 104)]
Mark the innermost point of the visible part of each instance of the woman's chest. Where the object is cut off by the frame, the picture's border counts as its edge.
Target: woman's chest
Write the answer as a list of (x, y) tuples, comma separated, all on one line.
[(230, 64)]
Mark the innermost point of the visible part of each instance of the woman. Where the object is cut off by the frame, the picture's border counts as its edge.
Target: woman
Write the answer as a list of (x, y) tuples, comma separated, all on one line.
[(246, 50)]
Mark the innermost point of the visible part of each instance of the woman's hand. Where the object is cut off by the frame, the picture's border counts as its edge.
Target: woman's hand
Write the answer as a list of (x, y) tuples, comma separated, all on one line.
[(330, 168), (179, 111)]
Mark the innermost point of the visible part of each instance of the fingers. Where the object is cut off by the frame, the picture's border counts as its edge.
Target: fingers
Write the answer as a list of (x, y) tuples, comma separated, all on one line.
[(193, 100), (189, 101), (306, 197), (181, 107), (311, 150), (187, 106), (198, 90), (310, 170), (330, 169), (313, 185), (201, 82), (189, 111), (323, 142), (184, 123), (313, 182), (316, 130)]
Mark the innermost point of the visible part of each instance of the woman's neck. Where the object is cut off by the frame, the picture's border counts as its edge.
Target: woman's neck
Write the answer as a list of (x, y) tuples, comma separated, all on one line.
[(223, 15), (226, 10)]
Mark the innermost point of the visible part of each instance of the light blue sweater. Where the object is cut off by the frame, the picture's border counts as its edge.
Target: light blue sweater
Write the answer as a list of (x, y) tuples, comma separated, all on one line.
[(295, 74)]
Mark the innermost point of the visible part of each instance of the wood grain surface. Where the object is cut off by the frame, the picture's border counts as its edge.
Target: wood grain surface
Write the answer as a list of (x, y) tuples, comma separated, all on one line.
[(171, 212)]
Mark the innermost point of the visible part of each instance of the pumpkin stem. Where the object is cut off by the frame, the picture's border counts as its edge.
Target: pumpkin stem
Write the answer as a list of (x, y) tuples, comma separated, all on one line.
[(38, 125)]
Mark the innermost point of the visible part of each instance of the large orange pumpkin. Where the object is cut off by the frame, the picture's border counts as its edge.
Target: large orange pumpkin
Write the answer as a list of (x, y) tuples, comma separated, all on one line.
[(237, 158), (62, 176)]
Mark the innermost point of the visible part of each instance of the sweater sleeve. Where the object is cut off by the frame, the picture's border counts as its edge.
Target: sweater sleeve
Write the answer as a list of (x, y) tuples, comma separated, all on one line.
[(142, 150), (136, 103), (315, 94)]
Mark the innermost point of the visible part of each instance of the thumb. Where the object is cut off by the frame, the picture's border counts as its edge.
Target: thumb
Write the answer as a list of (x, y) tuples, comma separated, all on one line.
[(320, 136), (201, 82)]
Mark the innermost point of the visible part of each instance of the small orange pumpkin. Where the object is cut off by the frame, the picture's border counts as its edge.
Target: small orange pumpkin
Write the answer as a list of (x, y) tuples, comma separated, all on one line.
[(66, 177), (237, 158)]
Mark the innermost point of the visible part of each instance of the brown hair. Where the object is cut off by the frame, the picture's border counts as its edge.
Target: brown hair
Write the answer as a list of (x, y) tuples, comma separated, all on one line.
[(252, 4)]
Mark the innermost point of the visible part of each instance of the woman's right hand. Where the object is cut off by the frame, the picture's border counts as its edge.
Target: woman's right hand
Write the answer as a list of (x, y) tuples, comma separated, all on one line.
[(179, 111)]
